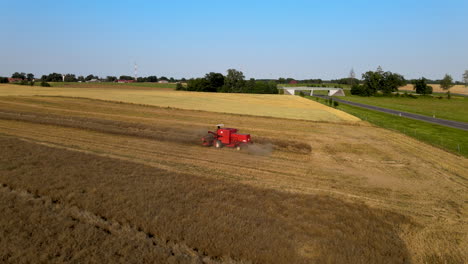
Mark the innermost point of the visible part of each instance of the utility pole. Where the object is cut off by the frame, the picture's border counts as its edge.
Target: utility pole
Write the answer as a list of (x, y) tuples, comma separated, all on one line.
[(136, 71)]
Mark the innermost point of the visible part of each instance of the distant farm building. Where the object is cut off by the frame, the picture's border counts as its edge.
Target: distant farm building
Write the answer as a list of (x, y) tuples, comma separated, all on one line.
[(293, 82), (14, 80), (163, 81), (125, 81)]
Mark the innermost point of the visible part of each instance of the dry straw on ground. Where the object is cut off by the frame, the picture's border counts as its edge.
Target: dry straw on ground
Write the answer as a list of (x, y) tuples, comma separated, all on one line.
[(356, 194), (217, 217)]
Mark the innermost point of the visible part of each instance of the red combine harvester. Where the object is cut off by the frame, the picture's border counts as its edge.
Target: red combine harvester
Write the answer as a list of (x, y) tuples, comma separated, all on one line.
[(226, 137)]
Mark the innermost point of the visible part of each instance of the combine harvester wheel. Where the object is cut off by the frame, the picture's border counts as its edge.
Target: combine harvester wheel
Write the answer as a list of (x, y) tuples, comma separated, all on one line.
[(218, 144)]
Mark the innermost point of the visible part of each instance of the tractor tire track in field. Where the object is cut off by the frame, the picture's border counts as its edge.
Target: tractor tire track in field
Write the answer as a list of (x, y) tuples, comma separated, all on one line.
[(124, 231), (152, 132), (165, 157), (211, 216), (170, 167), (165, 160), (223, 203)]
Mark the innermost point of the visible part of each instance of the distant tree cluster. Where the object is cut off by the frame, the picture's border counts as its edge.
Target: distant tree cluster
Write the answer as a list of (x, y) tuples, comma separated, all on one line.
[(25, 79), (91, 77), (53, 77), (233, 82), (70, 78), (421, 86), (19, 75), (126, 78), (57, 77), (148, 79), (111, 79), (374, 81), (292, 80)]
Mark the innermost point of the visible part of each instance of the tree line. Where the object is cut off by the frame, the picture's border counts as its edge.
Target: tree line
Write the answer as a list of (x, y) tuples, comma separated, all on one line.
[(233, 82), (389, 82), (375, 81), (58, 77)]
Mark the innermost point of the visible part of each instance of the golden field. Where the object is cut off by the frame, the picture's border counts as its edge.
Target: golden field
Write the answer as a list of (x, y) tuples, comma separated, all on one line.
[(459, 89), (251, 104), (86, 180)]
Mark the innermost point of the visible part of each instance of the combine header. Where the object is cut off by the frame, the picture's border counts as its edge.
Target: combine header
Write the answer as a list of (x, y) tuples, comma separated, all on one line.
[(226, 137)]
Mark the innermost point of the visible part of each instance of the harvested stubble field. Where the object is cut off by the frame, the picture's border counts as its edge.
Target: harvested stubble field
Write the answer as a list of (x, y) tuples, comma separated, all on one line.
[(459, 89), (86, 180), (249, 104)]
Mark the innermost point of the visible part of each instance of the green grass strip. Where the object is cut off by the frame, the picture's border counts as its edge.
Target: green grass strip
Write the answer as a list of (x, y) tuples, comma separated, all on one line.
[(450, 139)]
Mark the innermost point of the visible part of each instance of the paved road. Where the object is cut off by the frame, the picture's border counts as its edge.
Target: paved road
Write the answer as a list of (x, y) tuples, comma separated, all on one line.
[(443, 122)]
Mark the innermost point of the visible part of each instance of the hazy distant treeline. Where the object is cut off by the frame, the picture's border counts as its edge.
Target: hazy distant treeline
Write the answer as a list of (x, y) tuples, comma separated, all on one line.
[(233, 82)]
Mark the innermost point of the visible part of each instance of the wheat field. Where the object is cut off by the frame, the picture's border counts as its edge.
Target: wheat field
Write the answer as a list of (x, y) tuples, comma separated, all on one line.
[(248, 104), (86, 180)]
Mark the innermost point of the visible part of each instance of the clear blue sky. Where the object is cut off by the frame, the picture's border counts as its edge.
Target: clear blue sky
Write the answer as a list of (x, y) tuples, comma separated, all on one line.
[(264, 39)]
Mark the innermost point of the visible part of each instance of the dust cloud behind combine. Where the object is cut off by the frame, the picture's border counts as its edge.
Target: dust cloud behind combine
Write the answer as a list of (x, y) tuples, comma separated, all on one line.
[(260, 149)]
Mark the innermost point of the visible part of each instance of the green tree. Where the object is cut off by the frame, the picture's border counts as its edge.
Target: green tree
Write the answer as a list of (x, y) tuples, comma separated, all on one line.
[(90, 77), (53, 77), (126, 77), (371, 83), (390, 82), (421, 86), (18, 75), (81, 78), (446, 83), (70, 78), (357, 89), (250, 86), (215, 81), (111, 78), (152, 79), (198, 84), (30, 76), (387, 82), (180, 87), (234, 81)]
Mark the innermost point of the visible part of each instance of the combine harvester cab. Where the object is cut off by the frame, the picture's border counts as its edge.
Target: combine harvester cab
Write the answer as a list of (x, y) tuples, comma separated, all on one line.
[(226, 137)]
